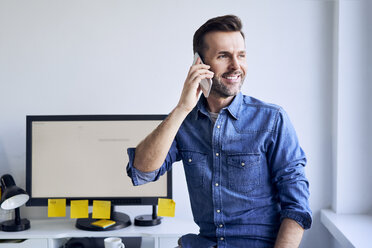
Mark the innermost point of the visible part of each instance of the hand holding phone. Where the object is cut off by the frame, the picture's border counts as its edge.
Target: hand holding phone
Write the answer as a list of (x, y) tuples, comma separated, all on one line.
[(206, 84)]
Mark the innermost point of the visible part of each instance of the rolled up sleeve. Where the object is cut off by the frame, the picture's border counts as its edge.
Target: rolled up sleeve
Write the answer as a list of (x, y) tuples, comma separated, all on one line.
[(139, 177), (287, 161)]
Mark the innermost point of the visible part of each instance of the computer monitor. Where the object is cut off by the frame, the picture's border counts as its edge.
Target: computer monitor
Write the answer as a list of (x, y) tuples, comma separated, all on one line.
[(79, 157)]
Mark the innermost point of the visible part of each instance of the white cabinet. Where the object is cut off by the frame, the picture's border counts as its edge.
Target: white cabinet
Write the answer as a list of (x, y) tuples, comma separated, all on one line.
[(26, 243), (165, 242)]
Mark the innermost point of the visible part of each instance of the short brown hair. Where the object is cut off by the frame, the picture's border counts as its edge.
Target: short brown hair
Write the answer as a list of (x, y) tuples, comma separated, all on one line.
[(227, 23)]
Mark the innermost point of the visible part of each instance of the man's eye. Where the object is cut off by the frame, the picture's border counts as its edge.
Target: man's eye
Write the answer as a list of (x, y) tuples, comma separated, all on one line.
[(221, 56), (242, 55)]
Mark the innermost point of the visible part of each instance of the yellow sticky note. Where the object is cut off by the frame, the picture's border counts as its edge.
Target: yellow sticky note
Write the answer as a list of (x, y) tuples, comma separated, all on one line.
[(56, 207), (166, 207), (101, 209), (79, 209)]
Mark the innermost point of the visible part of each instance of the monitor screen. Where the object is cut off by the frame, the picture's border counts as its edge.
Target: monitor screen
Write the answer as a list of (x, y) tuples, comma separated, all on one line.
[(85, 157)]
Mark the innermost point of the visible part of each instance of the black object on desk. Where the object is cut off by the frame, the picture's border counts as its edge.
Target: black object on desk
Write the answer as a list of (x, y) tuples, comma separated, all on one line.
[(13, 197), (122, 220), (147, 219)]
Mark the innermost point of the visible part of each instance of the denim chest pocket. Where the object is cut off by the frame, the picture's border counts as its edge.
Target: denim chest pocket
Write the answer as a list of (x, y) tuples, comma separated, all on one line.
[(243, 172), (194, 164)]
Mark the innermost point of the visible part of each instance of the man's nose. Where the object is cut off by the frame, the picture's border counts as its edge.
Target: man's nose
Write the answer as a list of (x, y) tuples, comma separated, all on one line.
[(234, 63)]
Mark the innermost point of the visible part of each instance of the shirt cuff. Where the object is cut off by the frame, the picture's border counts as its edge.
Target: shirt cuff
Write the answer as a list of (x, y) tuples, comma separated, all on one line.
[(139, 177), (303, 219)]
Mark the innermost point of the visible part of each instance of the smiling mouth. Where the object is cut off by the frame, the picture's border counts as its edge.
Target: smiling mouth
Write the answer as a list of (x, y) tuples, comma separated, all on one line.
[(232, 78)]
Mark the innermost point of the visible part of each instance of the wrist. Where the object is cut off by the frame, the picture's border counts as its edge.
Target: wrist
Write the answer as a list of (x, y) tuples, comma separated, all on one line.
[(182, 110)]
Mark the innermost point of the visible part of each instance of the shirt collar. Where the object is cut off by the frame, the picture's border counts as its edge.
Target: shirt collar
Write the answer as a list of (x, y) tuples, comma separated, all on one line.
[(233, 108)]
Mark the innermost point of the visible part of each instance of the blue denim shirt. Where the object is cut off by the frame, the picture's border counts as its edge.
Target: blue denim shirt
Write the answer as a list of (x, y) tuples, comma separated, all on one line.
[(244, 173)]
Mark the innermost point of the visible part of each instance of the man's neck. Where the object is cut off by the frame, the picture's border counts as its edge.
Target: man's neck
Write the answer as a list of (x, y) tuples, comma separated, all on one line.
[(216, 103)]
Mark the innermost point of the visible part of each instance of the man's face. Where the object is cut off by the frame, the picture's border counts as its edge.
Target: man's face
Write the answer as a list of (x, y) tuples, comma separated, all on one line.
[(225, 54)]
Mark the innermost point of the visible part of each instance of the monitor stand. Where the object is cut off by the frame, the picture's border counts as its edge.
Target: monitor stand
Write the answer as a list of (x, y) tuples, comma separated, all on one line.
[(148, 219), (122, 220)]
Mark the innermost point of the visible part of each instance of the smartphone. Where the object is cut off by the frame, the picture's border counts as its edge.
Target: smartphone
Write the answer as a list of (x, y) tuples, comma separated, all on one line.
[(206, 84)]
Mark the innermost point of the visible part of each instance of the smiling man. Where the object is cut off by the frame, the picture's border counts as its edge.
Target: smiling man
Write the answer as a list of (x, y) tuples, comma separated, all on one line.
[(243, 163)]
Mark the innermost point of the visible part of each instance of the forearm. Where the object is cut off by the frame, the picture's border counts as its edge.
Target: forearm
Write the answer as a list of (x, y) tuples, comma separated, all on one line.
[(152, 151), (290, 234)]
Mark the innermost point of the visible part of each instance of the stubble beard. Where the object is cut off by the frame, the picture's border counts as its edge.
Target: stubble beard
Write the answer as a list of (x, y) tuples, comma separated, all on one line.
[(221, 90)]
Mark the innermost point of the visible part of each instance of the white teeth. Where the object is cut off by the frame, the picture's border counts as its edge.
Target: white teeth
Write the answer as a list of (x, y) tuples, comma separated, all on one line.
[(232, 78)]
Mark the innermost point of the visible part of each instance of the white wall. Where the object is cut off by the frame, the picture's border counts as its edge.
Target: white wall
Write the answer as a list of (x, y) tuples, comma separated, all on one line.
[(353, 109), (126, 57)]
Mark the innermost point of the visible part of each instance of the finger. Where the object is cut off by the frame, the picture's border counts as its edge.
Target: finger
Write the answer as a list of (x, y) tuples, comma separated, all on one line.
[(201, 74), (198, 78), (198, 61), (203, 71), (198, 67)]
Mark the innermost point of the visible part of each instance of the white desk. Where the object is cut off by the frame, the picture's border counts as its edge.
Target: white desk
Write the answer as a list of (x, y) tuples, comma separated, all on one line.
[(351, 230), (51, 233)]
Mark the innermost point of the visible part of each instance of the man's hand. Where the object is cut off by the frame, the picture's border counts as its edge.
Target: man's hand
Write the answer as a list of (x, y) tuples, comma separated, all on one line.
[(152, 151), (191, 88), (290, 234)]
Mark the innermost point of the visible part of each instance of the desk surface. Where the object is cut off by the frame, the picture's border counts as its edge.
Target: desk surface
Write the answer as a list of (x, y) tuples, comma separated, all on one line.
[(65, 228)]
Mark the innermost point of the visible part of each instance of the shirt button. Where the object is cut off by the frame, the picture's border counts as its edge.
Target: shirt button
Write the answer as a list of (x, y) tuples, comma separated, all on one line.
[(221, 238), (217, 154), (243, 164), (218, 126), (190, 160), (220, 225), (216, 184), (218, 211)]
